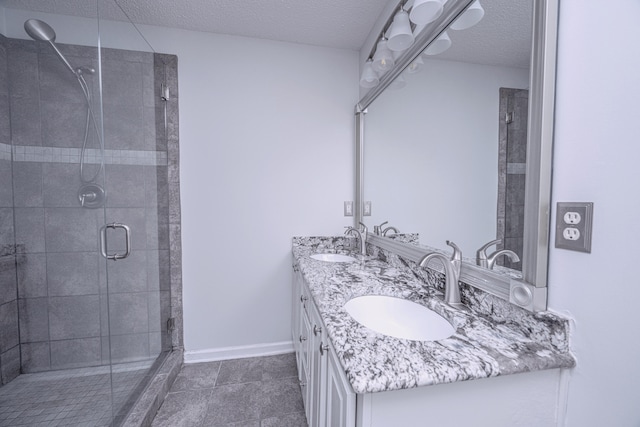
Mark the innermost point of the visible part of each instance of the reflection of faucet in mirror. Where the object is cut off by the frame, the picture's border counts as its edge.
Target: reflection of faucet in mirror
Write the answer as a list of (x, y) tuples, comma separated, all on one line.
[(488, 261), (390, 228), (451, 272), (362, 237), (378, 230)]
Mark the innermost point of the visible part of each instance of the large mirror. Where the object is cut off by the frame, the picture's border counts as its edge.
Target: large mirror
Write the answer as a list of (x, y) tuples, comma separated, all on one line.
[(450, 146)]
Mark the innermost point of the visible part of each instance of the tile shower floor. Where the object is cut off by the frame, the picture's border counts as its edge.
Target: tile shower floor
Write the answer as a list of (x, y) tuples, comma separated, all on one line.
[(252, 392), (73, 397)]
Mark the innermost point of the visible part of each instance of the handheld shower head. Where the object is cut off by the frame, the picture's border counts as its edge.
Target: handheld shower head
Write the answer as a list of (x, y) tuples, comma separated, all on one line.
[(40, 30)]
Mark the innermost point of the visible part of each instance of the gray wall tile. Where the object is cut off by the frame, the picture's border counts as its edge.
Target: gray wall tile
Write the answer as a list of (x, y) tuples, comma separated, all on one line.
[(61, 184), (7, 235), (129, 347), (128, 313), (118, 90), (125, 184), (27, 180), (25, 121), (72, 229), (73, 273), (34, 320), (6, 178), (122, 130), (63, 124), (32, 276), (74, 317), (35, 357), (23, 70), (8, 283), (57, 83), (9, 365), (8, 326), (75, 353), (129, 274), (30, 229)]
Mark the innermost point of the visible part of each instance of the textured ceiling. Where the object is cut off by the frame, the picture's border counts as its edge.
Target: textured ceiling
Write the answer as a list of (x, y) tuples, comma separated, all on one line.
[(503, 37), (331, 23)]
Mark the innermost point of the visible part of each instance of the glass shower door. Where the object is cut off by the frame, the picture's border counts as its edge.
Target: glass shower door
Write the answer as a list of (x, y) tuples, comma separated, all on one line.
[(136, 229)]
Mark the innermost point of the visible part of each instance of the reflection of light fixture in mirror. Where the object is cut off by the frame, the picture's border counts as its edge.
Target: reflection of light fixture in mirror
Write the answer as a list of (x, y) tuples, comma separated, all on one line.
[(439, 45), (400, 35), (425, 11), (369, 77), (398, 83), (469, 17), (416, 65), (383, 58)]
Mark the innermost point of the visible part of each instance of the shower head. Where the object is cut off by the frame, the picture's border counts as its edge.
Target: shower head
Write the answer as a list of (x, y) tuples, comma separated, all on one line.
[(40, 30)]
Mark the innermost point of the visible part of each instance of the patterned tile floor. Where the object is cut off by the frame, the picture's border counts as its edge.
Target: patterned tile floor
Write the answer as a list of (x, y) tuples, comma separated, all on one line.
[(253, 392), (74, 397)]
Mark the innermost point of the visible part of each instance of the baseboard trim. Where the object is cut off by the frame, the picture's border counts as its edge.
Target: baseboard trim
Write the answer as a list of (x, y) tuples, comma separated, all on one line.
[(240, 352)]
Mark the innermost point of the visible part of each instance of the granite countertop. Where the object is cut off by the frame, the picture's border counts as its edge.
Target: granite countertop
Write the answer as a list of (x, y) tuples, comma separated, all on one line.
[(481, 347)]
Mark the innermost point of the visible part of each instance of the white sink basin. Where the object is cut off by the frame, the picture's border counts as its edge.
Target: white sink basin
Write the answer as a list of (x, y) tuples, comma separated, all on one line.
[(333, 258), (399, 318)]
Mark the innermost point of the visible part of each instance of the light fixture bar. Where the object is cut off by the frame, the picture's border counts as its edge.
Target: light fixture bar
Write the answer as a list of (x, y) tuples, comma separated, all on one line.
[(452, 10)]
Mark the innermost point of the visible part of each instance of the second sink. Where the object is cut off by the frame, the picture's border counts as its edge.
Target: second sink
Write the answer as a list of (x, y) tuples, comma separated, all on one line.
[(398, 318)]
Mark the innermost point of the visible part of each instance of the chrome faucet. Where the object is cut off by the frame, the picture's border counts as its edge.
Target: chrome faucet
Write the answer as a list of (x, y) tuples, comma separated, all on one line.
[(362, 237), (488, 261), (451, 272)]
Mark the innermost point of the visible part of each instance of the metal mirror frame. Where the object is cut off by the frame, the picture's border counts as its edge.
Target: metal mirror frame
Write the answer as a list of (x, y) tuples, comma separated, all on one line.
[(529, 292)]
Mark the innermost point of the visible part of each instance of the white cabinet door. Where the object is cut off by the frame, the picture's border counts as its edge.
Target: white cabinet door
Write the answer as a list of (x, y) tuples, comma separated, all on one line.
[(318, 367), (340, 400)]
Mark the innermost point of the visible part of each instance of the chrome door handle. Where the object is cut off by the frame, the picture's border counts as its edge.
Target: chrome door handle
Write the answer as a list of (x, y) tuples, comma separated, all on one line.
[(103, 241)]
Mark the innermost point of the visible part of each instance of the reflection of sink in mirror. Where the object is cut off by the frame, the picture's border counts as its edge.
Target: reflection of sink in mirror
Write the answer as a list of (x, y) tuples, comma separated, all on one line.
[(399, 318), (333, 258)]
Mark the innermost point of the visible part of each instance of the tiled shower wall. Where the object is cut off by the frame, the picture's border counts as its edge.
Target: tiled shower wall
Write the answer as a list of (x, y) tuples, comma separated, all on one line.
[(512, 172), (9, 338), (75, 308)]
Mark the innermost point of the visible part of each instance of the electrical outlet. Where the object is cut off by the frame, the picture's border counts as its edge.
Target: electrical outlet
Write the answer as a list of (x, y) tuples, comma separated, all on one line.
[(571, 233), (367, 209), (348, 208), (574, 226), (572, 218)]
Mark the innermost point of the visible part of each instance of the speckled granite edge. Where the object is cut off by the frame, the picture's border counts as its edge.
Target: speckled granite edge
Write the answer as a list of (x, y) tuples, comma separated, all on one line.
[(488, 341)]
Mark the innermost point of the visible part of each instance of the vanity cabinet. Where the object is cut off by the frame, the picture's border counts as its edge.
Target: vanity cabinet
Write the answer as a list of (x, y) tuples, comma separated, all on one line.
[(326, 393)]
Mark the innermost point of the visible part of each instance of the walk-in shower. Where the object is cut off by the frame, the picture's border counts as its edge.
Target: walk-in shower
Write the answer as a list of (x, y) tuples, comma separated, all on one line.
[(90, 194), (82, 335)]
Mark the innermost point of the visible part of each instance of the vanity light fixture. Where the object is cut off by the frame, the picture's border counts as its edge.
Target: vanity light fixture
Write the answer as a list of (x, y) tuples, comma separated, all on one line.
[(469, 18), (425, 11), (369, 77), (400, 35), (383, 58), (439, 45)]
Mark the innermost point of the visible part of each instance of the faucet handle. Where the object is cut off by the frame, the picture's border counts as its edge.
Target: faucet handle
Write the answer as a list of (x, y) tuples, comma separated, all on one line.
[(377, 229), (364, 228), (481, 254), (457, 253)]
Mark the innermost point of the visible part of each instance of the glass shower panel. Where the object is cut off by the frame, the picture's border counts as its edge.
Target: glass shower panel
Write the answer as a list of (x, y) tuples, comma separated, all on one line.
[(135, 151)]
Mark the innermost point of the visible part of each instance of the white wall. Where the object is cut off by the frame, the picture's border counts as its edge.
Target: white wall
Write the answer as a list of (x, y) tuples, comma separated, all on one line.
[(266, 142), (596, 152)]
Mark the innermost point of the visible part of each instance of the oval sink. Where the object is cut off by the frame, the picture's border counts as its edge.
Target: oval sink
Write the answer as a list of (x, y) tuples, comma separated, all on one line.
[(333, 258), (399, 318)]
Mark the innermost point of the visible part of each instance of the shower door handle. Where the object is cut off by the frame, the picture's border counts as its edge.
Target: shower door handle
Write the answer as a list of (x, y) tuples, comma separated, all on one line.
[(103, 241)]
